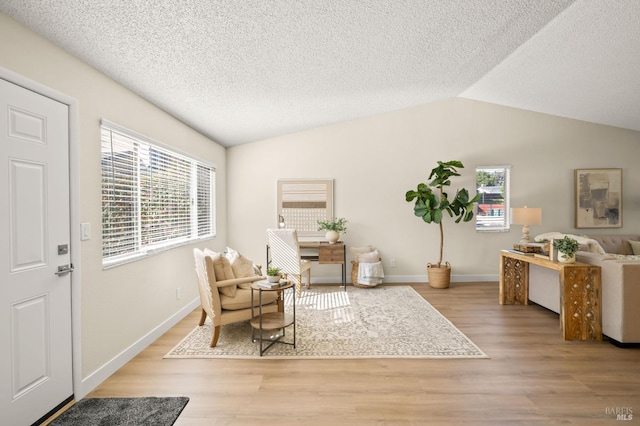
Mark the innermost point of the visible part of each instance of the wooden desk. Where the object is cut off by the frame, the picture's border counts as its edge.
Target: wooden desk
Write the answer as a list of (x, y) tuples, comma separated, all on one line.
[(580, 306), (334, 254), (323, 253)]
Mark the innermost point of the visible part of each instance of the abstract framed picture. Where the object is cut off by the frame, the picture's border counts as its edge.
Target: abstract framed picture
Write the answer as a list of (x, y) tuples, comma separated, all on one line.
[(598, 198)]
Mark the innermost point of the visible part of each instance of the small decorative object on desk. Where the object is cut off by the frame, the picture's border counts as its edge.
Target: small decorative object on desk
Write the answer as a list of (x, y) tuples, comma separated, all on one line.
[(529, 247), (567, 249), (522, 253), (268, 284), (273, 274), (271, 285), (333, 227)]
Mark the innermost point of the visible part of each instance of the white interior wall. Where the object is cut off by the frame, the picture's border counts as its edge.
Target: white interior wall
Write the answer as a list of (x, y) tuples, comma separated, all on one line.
[(375, 160), (124, 304)]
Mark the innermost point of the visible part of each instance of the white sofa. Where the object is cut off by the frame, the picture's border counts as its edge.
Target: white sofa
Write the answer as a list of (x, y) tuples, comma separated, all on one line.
[(620, 289)]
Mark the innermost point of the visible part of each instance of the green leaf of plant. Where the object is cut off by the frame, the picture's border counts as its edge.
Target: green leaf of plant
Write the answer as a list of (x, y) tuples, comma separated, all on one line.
[(437, 216), (463, 196), (455, 163)]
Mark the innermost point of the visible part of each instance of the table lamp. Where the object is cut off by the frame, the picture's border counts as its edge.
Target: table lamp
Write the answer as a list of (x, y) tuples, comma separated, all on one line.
[(526, 216)]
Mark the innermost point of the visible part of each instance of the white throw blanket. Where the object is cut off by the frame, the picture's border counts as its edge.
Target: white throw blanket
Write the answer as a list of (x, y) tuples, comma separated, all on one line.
[(594, 246), (370, 274)]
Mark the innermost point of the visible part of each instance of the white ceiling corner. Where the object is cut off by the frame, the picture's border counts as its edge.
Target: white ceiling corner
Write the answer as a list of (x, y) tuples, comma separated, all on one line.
[(585, 64), (241, 71)]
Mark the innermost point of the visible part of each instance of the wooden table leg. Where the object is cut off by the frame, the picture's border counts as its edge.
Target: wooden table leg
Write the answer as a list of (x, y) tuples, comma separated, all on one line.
[(514, 281), (580, 316)]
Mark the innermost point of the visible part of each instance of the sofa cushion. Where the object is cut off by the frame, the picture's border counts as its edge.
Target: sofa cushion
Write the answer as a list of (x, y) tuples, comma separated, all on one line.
[(231, 254), (242, 266), (635, 246), (242, 299), (222, 269), (357, 251), (371, 257), (616, 243)]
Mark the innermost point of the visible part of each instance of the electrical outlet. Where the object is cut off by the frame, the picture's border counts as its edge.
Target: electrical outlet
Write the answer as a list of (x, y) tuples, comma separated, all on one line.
[(393, 263), (178, 293)]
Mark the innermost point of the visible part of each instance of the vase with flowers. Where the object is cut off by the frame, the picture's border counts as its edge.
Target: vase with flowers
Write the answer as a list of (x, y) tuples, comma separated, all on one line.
[(333, 227)]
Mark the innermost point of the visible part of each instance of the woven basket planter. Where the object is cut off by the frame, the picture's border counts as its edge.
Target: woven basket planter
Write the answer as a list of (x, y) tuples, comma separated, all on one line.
[(439, 277)]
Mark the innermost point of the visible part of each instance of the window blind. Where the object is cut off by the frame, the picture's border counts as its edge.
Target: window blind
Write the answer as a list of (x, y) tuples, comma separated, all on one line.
[(152, 197)]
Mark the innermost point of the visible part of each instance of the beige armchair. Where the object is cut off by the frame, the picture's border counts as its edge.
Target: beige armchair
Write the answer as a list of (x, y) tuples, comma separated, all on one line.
[(224, 298), (284, 249)]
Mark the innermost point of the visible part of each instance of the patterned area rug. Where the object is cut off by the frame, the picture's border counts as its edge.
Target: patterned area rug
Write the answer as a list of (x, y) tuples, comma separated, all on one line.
[(380, 322)]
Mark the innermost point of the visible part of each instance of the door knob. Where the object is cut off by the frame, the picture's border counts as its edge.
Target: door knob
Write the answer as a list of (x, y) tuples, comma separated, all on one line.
[(64, 270)]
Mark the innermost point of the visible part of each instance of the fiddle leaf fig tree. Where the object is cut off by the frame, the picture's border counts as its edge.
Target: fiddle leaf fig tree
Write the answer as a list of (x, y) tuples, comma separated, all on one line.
[(431, 200)]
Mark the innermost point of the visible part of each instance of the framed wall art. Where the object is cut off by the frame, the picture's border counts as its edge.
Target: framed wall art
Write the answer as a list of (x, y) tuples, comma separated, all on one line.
[(598, 198), (302, 203)]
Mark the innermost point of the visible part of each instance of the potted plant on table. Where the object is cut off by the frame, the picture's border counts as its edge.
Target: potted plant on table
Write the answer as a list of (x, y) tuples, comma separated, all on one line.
[(273, 274), (333, 227), (567, 247), (431, 202)]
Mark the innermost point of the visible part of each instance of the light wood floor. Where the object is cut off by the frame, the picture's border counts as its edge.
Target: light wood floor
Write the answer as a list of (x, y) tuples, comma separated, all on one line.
[(533, 377)]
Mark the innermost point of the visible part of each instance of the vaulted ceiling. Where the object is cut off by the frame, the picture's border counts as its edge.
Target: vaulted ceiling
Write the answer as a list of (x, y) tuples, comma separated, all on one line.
[(245, 70)]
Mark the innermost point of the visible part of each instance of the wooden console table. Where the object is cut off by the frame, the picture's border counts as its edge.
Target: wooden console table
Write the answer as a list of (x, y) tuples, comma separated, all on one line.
[(580, 307)]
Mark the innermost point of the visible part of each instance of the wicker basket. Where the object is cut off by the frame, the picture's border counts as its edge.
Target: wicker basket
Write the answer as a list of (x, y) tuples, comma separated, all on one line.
[(354, 275), (439, 277)]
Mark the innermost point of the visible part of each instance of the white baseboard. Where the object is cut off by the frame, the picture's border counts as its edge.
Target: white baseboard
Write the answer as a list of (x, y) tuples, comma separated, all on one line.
[(411, 279), (101, 374)]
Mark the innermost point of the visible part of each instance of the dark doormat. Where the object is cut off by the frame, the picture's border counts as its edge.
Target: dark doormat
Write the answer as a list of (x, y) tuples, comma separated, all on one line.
[(123, 412)]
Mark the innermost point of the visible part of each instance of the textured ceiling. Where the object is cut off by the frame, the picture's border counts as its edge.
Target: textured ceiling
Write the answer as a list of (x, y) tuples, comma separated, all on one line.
[(245, 70)]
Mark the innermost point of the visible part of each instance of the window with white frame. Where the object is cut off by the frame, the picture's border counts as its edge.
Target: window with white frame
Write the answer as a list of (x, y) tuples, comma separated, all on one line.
[(153, 198), (492, 183)]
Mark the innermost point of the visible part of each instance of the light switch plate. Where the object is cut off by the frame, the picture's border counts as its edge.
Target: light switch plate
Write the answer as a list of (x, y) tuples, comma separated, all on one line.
[(85, 231)]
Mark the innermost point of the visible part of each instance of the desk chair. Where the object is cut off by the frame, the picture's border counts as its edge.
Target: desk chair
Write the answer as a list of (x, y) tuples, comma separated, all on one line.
[(285, 254)]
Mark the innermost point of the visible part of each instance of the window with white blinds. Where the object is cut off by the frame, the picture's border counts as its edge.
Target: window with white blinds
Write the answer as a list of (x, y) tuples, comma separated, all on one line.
[(153, 198)]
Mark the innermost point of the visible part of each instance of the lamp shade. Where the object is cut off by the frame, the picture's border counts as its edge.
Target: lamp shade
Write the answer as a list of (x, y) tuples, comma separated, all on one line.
[(526, 216)]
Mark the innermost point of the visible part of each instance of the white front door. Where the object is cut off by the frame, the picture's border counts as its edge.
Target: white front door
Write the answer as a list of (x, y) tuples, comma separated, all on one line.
[(35, 298)]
